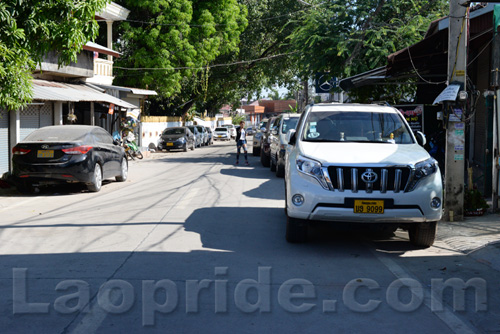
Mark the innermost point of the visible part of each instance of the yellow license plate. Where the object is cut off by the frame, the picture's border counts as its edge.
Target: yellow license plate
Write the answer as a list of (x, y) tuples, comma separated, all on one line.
[(170, 144), (368, 206), (219, 136), (45, 154)]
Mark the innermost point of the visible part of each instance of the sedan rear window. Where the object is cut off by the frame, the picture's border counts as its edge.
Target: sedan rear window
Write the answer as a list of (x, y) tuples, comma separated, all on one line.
[(174, 131), (60, 133)]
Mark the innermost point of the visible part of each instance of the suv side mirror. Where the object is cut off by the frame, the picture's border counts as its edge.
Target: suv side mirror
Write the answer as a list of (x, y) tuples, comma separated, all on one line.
[(275, 130), (420, 138), (291, 137)]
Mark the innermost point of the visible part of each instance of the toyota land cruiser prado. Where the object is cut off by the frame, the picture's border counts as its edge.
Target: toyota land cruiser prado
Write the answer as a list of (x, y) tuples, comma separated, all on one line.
[(360, 164)]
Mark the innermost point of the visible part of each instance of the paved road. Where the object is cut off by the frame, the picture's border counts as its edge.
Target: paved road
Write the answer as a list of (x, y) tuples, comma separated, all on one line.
[(192, 243)]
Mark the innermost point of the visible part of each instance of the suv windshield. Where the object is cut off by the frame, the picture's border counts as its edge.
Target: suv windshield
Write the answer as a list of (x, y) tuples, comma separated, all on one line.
[(336, 126)]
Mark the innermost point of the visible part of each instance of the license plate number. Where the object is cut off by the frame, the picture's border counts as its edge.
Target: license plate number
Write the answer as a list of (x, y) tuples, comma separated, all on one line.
[(219, 136), (369, 206), (170, 144), (45, 154)]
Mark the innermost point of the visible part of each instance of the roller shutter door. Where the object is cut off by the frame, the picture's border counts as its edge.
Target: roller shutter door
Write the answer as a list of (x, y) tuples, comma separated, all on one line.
[(4, 142), (34, 117)]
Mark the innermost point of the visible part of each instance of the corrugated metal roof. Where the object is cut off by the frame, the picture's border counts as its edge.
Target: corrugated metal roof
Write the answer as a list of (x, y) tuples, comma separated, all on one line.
[(58, 91)]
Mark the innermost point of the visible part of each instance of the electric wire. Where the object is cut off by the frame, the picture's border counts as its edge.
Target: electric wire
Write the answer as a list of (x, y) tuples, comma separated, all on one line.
[(202, 67)]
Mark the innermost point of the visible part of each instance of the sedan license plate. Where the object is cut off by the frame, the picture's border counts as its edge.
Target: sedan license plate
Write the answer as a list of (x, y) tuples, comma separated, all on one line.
[(45, 154), (219, 136), (170, 144), (368, 206)]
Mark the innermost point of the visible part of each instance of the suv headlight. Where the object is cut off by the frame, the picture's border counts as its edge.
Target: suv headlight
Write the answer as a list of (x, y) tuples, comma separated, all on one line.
[(181, 140), (311, 168), (422, 170)]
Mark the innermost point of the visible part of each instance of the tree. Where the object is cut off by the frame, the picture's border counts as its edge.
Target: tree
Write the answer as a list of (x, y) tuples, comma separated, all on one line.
[(257, 57), (31, 29), (168, 45), (350, 37)]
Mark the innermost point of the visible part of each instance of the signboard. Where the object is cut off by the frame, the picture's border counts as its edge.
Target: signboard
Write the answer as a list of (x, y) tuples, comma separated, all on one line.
[(324, 83), (414, 114), (448, 94)]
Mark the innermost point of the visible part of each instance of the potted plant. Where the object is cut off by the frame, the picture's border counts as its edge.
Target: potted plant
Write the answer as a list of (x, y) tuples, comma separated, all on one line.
[(474, 203)]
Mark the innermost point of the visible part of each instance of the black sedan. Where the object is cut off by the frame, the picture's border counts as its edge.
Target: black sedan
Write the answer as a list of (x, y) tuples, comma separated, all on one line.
[(178, 138), (68, 154)]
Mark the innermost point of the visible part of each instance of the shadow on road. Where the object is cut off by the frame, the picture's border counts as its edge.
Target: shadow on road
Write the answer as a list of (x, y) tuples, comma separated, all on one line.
[(239, 245)]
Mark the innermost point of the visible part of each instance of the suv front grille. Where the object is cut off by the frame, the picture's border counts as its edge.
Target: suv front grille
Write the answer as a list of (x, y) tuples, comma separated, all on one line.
[(369, 179)]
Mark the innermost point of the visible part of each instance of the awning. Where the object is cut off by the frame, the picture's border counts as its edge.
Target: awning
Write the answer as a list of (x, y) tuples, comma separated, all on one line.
[(58, 91), (363, 79), (91, 46), (136, 91)]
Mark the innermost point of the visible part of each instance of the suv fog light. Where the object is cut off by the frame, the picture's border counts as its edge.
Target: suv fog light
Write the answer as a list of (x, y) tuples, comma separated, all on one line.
[(298, 200), (436, 203)]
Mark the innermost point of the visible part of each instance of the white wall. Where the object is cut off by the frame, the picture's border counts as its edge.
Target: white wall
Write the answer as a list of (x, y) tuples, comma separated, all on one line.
[(151, 131)]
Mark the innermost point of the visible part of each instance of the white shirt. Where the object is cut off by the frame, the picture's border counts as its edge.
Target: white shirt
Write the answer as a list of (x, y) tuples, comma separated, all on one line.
[(242, 134)]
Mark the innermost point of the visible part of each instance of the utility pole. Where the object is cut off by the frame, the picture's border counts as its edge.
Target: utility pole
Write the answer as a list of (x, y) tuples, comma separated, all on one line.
[(454, 112), (495, 84)]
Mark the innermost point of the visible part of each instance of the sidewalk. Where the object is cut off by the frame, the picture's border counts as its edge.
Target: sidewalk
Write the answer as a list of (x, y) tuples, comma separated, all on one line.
[(477, 237)]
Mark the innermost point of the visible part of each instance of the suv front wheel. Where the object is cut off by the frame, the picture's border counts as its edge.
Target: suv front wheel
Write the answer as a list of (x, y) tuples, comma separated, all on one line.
[(423, 234)]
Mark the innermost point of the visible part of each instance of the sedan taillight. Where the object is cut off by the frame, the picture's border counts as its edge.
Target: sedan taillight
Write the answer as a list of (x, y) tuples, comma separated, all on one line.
[(77, 150), (20, 151)]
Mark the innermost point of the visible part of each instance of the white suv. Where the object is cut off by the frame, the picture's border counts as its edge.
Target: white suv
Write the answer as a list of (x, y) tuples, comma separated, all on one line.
[(232, 129), (360, 164)]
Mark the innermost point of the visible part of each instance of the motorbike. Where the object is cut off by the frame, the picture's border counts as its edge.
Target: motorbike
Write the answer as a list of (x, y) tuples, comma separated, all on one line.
[(128, 142), (131, 148)]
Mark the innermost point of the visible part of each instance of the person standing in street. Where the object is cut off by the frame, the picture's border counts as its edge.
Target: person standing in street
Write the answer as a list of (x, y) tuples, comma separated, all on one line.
[(241, 141)]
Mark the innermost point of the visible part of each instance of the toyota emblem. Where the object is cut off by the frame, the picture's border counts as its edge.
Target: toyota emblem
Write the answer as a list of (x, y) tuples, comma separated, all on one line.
[(45, 146), (369, 176)]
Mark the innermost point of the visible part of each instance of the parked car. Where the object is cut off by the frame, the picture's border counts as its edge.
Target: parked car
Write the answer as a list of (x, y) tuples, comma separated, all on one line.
[(258, 136), (198, 137), (204, 134), (222, 133), (176, 138), (250, 131), (360, 164), (278, 142), (265, 141), (68, 154), (232, 129), (210, 135)]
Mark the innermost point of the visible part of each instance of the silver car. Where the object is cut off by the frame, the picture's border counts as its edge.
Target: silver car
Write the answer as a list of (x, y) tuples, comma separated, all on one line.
[(278, 142), (258, 136)]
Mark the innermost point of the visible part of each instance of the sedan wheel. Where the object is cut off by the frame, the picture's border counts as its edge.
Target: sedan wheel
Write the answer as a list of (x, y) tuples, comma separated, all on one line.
[(124, 171), (96, 183)]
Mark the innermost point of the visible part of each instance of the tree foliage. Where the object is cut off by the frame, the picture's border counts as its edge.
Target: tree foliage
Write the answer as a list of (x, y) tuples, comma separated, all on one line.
[(213, 71), (174, 41), (350, 37), (29, 30)]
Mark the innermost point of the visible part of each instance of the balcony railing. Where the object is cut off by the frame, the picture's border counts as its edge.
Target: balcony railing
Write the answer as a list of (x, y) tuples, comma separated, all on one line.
[(103, 67)]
